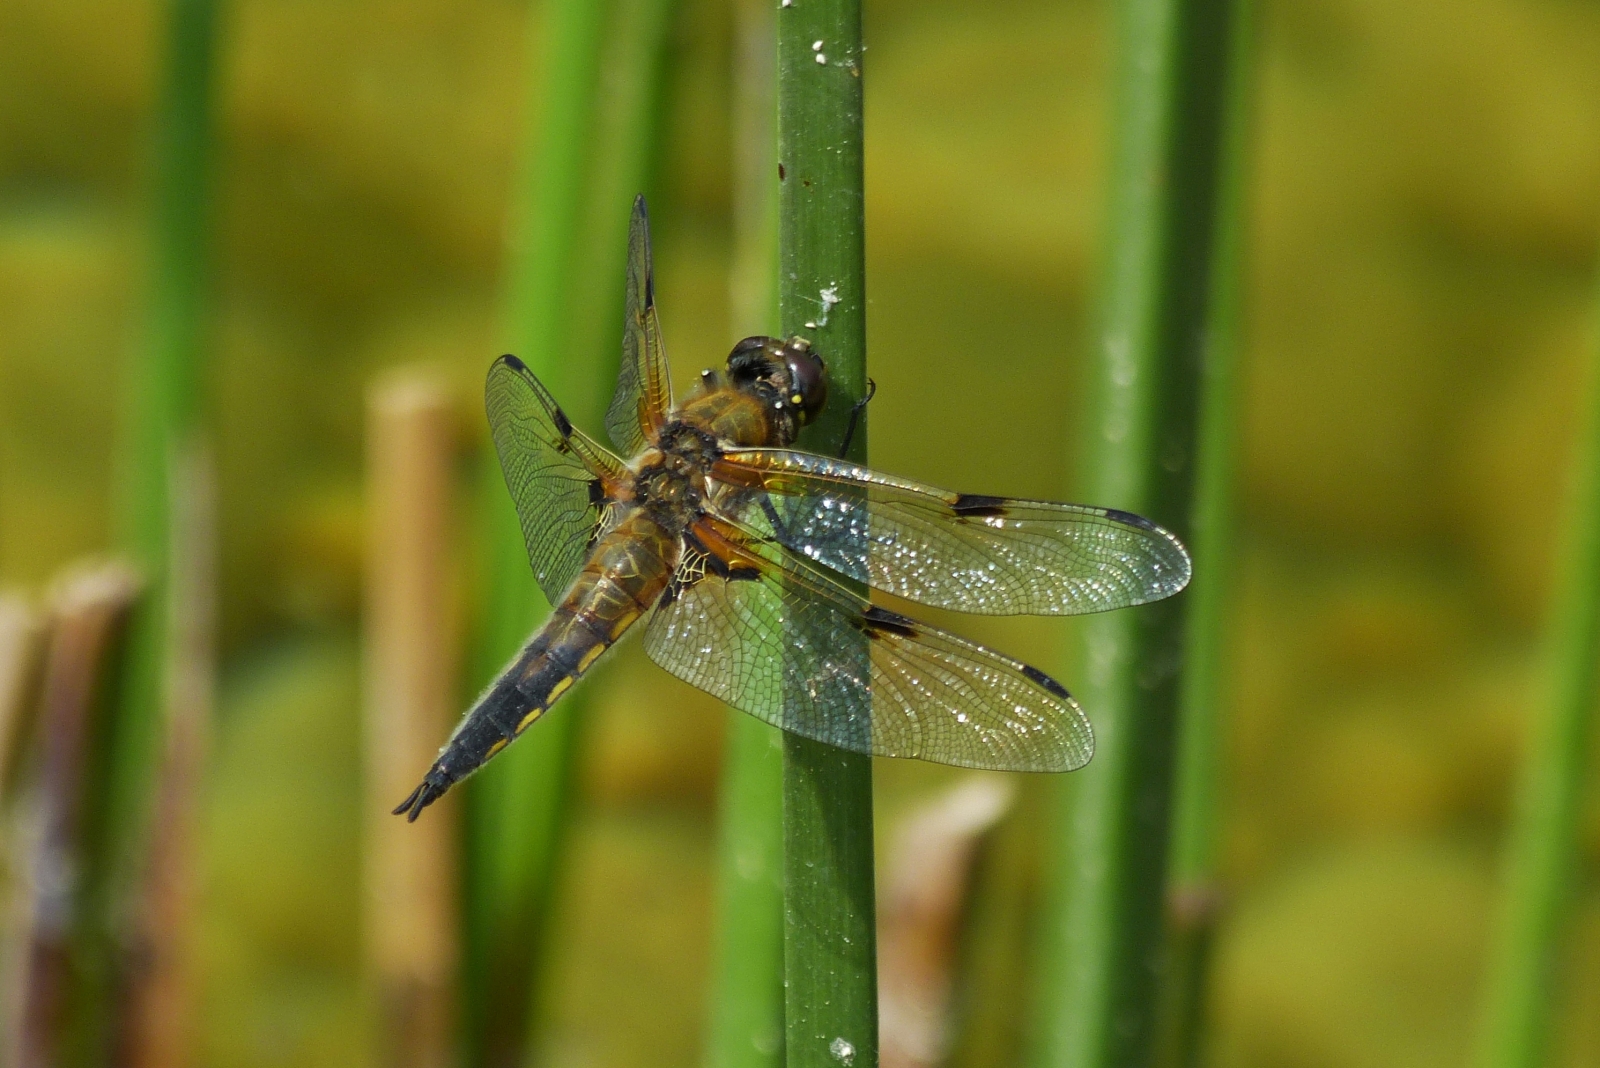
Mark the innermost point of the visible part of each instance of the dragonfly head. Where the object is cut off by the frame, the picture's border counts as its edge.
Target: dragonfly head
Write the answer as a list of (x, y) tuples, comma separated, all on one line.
[(788, 370)]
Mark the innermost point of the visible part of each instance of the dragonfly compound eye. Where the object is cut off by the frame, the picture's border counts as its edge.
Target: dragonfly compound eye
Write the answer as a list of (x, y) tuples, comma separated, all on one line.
[(808, 381)]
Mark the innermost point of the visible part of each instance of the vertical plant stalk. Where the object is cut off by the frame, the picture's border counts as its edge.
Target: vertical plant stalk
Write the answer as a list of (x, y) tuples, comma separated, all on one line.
[(516, 806), (88, 618), (830, 965), (746, 1023), (157, 984), (1194, 897), (1103, 943), (162, 445), (411, 870), (1544, 839)]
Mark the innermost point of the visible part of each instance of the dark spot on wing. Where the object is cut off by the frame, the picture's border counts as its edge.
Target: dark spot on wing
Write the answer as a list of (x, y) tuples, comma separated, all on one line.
[(1130, 519), (597, 492), (883, 621), (563, 424), (1046, 681), (743, 574), (514, 363), (977, 504)]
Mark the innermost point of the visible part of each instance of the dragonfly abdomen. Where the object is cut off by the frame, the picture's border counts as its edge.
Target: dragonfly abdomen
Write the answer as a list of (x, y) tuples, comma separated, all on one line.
[(625, 574)]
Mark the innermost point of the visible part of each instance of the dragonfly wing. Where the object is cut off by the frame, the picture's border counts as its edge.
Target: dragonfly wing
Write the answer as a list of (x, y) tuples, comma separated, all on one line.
[(765, 632), (969, 553), (644, 389), (562, 482)]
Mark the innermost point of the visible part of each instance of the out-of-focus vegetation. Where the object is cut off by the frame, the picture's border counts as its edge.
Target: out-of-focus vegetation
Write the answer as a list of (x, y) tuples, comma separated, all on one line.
[(1425, 204)]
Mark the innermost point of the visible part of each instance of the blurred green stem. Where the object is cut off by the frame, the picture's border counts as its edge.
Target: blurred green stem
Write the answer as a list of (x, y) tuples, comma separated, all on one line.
[(830, 966), (1544, 837), (1194, 896), (516, 807), (746, 1020), (1104, 929), (162, 439)]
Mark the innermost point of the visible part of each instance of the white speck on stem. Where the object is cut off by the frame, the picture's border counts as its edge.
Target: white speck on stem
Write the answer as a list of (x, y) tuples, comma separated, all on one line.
[(842, 1051), (821, 58), (829, 297), (816, 46)]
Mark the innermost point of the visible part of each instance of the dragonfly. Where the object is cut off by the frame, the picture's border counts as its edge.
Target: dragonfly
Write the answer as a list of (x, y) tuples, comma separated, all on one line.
[(743, 560)]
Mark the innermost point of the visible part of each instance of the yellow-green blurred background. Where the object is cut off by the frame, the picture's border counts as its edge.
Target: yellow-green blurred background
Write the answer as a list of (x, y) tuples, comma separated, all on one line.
[(1424, 207)]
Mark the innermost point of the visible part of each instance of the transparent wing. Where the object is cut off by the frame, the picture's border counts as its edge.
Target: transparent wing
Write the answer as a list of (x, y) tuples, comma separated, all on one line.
[(562, 483), (962, 551), (765, 632), (644, 390)]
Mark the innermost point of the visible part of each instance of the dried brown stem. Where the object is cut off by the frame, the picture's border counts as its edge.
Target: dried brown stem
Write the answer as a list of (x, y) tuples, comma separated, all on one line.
[(928, 882), (89, 611), (411, 869)]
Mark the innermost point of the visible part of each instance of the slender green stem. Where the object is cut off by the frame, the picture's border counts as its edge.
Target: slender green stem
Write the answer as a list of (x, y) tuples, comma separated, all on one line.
[(1194, 896), (747, 985), (162, 439), (1544, 842), (1098, 974), (516, 807), (746, 1022), (830, 965)]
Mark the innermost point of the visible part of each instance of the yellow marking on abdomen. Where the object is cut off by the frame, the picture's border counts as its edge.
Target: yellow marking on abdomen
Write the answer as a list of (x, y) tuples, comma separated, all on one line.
[(557, 690), (529, 718), (590, 657), (623, 623), (495, 748)]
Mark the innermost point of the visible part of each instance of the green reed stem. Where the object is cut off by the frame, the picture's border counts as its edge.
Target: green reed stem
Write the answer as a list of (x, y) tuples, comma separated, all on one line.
[(747, 980), (1194, 895), (830, 952), (746, 1018), (1544, 840), (161, 439), (1104, 928), (516, 807)]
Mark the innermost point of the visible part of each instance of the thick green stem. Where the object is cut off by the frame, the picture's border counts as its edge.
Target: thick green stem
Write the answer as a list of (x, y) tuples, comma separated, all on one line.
[(829, 940), (1103, 943), (516, 807), (1545, 838), (746, 1022), (1194, 897)]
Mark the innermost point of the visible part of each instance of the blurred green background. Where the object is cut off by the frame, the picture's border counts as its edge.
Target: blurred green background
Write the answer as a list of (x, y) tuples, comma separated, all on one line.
[(1425, 201)]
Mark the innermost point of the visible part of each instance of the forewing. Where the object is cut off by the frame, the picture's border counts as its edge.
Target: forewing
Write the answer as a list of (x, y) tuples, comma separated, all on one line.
[(644, 391), (562, 483), (770, 635), (969, 553)]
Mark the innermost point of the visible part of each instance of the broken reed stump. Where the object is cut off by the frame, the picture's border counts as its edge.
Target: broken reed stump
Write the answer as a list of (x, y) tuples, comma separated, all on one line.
[(21, 647), (927, 884), (89, 611), (411, 869)]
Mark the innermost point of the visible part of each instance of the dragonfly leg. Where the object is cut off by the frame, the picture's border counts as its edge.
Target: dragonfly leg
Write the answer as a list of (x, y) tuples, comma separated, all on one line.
[(855, 417)]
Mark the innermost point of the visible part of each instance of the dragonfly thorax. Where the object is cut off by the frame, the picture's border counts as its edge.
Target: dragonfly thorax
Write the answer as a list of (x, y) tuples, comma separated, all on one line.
[(672, 480)]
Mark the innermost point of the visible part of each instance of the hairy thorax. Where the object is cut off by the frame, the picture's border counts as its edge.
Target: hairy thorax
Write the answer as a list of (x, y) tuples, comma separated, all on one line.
[(673, 480)]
